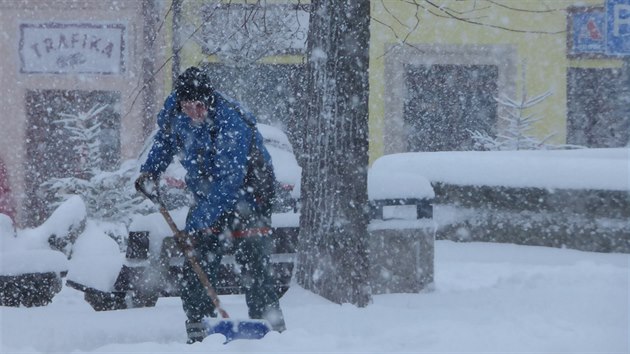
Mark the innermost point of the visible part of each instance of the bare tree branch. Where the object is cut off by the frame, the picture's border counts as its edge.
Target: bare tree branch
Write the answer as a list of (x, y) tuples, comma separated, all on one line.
[(464, 19), (494, 2), (472, 10), (175, 52), (392, 15), (409, 32)]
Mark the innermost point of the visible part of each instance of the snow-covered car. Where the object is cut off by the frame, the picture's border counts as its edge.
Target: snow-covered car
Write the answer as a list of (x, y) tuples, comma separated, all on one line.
[(288, 172), (152, 264)]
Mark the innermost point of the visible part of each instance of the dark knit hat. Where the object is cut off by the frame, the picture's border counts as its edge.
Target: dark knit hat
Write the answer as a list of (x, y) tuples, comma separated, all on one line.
[(194, 85)]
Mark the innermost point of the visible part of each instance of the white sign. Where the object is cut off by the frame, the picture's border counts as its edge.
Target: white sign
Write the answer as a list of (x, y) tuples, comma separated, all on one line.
[(65, 48)]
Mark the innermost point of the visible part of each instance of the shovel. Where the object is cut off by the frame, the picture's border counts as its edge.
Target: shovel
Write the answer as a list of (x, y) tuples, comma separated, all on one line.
[(231, 329)]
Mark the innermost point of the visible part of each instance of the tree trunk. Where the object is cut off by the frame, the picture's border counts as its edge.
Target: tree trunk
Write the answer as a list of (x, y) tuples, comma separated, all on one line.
[(332, 251)]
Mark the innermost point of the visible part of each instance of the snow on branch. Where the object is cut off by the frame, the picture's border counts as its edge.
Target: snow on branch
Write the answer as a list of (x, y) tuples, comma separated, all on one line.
[(109, 195), (241, 34), (516, 134)]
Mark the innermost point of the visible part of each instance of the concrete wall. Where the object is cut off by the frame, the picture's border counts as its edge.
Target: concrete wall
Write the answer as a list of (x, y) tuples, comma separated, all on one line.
[(588, 220)]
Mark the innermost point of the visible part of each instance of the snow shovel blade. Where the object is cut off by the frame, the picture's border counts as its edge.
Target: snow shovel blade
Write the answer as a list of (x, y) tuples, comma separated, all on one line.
[(235, 329)]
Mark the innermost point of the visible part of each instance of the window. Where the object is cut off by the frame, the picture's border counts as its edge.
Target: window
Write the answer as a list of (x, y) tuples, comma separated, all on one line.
[(445, 102), (598, 115)]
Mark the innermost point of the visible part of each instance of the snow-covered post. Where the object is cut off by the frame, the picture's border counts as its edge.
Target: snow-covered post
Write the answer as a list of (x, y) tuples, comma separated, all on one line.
[(401, 231)]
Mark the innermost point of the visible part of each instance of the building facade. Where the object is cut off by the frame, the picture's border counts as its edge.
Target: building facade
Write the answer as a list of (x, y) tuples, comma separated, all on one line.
[(69, 60), (437, 69)]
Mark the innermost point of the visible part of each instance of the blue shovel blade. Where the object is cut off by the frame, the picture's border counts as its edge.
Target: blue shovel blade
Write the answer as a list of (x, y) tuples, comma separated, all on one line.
[(238, 329)]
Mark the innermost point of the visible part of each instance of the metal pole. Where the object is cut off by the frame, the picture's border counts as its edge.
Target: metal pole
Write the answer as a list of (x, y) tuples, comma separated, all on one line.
[(625, 92), (149, 13), (177, 45)]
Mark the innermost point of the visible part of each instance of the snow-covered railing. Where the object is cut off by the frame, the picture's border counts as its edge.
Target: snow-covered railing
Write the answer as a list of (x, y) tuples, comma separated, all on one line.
[(600, 169), (561, 198)]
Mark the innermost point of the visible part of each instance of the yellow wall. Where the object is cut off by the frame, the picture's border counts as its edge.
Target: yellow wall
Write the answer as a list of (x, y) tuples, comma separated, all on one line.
[(538, 34)]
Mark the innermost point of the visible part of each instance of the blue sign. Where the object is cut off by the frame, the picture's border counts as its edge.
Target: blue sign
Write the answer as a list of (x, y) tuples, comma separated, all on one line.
[(588, 32), (618, 27)]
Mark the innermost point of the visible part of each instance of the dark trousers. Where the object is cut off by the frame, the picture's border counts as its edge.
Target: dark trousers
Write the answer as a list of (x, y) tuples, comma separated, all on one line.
[(252, 255)]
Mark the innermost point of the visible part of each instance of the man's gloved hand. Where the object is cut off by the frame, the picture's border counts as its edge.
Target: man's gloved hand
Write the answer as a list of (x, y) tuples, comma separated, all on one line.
[(142, 180)]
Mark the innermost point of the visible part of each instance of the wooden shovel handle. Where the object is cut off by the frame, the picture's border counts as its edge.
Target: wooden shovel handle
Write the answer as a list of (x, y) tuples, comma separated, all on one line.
[(186, 248), (183, 242)]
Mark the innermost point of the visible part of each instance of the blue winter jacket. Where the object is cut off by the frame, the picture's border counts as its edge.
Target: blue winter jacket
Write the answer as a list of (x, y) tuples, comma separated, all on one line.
[(214, 154)]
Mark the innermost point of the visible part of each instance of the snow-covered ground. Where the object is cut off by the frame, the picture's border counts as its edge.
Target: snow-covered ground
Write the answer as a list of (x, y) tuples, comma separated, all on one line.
[(488, 298)]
